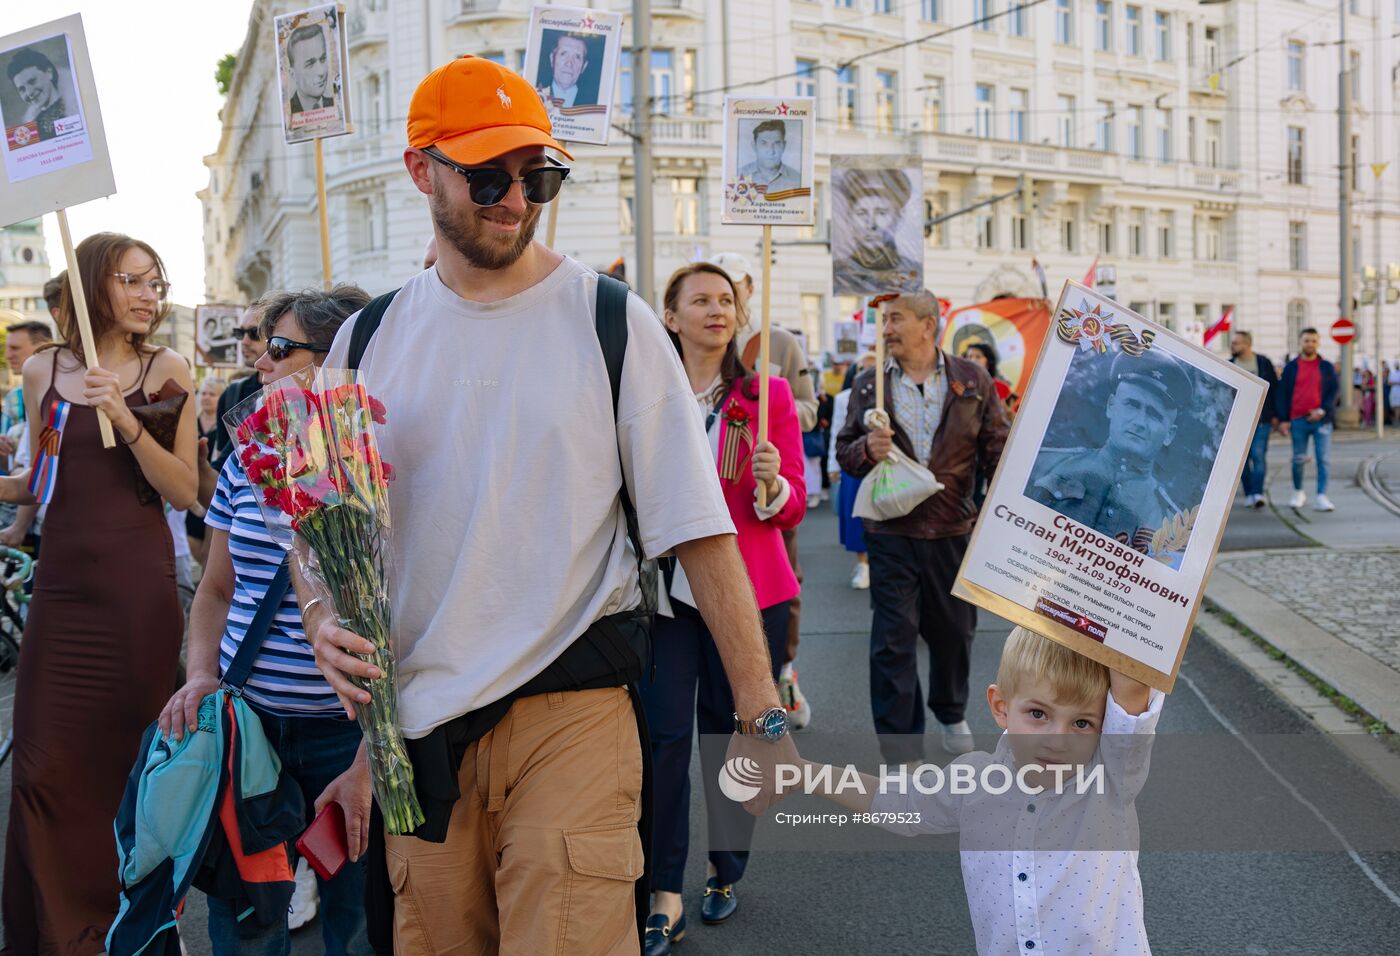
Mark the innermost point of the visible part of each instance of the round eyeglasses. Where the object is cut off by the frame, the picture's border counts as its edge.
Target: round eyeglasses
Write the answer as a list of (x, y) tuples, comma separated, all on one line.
[(133, 281)]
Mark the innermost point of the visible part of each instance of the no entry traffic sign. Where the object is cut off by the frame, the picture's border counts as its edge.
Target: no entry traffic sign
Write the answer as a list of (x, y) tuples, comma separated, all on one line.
[(1343, 331)]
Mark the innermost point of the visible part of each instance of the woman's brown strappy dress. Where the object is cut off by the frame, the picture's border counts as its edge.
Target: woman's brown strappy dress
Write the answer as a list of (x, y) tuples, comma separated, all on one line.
[(97, 664)]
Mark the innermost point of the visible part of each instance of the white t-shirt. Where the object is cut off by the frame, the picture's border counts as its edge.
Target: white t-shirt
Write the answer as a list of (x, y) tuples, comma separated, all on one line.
[(508, 535)]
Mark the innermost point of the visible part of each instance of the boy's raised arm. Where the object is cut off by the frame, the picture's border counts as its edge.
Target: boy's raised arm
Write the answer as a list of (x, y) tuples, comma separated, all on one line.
[(1131, 694)]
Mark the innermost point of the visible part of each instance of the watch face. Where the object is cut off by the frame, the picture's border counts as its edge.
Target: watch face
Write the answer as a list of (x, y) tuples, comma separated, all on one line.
[(773, 723)]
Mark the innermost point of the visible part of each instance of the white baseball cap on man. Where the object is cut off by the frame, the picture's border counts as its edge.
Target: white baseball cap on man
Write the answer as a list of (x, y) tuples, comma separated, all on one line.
[(734, 264)]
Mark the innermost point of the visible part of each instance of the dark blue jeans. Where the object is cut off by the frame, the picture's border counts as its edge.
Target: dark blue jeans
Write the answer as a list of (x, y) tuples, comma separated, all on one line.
[(314, 750), (689, 688), (1254, 470)]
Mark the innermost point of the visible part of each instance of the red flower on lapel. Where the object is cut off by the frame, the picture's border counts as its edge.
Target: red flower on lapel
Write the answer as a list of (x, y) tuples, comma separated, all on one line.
[(736, 414)]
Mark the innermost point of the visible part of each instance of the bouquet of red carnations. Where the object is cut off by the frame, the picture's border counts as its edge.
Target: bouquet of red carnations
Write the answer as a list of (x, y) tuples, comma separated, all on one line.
[(307, 444)]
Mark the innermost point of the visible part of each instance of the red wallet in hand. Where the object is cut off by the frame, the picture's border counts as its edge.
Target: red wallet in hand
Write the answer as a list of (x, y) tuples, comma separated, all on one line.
[(324, 844)]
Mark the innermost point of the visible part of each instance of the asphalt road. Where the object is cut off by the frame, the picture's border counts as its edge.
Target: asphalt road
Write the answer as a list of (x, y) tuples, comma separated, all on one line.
[(1319, 900)]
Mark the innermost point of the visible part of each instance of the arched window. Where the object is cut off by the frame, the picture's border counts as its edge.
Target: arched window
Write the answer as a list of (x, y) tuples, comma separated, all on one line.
[(1297, 322)]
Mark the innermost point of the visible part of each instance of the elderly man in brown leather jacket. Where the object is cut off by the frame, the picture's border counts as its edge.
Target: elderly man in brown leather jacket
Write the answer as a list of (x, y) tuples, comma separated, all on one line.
[(944, 413)]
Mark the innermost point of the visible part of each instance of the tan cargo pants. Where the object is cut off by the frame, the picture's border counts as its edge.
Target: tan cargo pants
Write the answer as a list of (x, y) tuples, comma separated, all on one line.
[(542, 849)]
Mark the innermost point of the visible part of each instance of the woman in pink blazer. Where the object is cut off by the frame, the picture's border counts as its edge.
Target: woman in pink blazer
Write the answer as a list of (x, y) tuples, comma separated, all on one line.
[(688, 687)]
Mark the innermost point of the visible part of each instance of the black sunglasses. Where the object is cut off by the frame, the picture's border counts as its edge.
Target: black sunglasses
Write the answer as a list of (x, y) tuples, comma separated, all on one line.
[(488, 185), (252, 334), (279, 347)]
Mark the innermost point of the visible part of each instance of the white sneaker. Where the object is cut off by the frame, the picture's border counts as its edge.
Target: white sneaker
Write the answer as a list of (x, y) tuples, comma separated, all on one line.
[(1249, 500), (860, 577), (1299, 499), (957, 738), (1323, 503), (799, 712), (1259, 502), (813, 502), (306, 898)]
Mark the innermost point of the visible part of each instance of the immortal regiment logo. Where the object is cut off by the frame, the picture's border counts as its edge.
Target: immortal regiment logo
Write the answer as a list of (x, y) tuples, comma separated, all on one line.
[(741, 779)]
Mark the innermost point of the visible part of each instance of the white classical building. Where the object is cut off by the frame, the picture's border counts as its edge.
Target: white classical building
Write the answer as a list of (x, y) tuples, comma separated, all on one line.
[(24, 268), (1192, 146)]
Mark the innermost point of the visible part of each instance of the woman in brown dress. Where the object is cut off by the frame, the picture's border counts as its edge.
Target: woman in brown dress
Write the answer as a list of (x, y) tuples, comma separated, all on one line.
[(101, 645)]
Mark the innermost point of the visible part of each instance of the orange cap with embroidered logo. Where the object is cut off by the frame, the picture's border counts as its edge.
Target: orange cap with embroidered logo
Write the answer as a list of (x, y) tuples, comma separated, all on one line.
[(474, 110)]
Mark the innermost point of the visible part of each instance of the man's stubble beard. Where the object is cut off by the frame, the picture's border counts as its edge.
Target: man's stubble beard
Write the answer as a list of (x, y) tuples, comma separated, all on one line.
[(455, 226)]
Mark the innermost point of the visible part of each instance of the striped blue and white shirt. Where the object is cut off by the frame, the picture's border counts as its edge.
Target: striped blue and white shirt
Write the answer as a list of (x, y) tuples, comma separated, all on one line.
[(284, 680)]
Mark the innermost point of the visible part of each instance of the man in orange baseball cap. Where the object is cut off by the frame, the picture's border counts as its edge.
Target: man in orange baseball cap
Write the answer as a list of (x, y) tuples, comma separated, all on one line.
[(516, 588)]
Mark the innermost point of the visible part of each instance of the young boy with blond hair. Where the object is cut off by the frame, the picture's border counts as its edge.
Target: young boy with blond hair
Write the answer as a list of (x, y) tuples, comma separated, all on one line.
[(1052, 871)]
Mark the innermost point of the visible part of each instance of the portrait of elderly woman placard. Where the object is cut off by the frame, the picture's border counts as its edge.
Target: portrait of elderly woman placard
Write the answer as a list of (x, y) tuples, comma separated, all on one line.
[(876, 224)]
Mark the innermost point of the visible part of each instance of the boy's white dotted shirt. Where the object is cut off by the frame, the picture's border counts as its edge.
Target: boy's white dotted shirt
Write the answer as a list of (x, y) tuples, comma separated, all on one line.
[(1085, 901)]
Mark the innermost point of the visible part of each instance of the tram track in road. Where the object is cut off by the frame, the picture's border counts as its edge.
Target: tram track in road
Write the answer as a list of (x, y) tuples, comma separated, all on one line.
[(1372, 478)]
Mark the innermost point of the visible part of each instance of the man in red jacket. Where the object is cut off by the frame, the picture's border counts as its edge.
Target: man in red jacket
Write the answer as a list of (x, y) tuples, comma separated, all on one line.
[(944, 412)]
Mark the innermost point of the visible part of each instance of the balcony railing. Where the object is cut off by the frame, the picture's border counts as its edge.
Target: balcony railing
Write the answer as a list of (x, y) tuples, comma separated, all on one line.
[(367, 26), (676, 131), (1025, 157)]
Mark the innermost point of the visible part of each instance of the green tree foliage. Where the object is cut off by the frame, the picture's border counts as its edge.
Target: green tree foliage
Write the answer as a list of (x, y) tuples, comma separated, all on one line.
[(223, 73)]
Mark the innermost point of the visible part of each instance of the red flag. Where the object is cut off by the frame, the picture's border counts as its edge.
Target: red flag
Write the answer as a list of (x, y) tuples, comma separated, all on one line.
[(1089, 276), (1222, 326)]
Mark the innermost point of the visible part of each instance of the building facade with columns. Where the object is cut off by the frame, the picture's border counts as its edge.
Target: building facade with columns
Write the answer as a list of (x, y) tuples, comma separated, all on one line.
[(1192, 147)]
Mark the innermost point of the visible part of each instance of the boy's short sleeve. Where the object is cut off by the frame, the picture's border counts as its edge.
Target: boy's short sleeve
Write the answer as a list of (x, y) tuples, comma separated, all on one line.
[(1126, 744)]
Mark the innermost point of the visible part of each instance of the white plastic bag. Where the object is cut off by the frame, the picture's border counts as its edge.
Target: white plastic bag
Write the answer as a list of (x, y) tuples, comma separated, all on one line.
[(895, 486)]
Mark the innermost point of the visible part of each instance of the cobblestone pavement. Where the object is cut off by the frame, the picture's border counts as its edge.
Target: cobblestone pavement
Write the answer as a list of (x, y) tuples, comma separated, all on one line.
[(1350, 594)]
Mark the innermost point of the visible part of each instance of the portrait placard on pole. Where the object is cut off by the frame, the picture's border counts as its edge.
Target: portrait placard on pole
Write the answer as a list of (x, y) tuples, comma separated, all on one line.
[(53, 125), (217, 341), (1104, 516), (877, 224), (571, 58), (769, 160), (55, 149), (313, 61), (312, 64)]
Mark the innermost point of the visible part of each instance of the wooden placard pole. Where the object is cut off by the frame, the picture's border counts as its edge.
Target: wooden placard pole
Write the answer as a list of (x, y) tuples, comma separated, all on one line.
[(80, 310), (321, 213), (879, 358), (764, 337)]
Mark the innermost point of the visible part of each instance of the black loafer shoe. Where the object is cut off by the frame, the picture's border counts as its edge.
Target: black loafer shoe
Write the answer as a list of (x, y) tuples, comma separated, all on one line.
[(719, 903), (661, 933)]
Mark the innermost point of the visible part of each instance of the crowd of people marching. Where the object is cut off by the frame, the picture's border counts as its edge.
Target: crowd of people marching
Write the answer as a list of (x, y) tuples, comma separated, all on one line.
[(551, 729)]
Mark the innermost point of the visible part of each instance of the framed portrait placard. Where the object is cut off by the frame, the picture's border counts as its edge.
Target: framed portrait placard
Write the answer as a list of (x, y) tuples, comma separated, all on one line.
[(217, 343), (1105, 514), (55, 151), (571, 58), (312, 65), (769, 160), (877, 224)]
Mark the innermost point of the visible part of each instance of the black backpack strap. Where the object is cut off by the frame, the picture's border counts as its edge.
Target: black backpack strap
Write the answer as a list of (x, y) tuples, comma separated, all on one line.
[(366, 324), (610, 318), (242, 664)]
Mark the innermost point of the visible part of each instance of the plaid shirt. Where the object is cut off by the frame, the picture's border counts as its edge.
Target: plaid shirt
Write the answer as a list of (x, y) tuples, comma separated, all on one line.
[(917, 410)]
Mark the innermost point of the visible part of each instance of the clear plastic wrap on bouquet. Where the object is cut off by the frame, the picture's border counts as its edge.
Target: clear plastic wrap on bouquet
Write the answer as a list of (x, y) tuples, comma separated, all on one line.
[(307, 444)]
